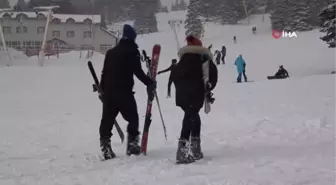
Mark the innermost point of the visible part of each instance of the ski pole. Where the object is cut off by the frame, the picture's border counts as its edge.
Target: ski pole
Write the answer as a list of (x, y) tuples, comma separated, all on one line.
[(160, 112)]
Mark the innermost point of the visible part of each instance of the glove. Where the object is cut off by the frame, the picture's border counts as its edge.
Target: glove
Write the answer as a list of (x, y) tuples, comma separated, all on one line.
[(208, 86), (159, 72), (168, 95), (95, 88), (100, 96), (210, 97), (151, 90)]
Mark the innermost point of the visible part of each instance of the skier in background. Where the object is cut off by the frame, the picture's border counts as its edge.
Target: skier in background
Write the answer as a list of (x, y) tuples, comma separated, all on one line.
[(240, 64), (121, 63), (218, 57), (187, 77), (254, 30), (210, 47), (170, 68), (223, 54), (234, 39)]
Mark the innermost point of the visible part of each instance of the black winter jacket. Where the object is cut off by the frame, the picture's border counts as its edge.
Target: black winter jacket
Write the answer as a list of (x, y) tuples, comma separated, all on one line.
[(121, 63), (187, 76)]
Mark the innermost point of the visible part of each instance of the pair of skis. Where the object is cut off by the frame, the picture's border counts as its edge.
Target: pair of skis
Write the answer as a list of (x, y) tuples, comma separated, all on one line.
[(152, 66), (97, 88)]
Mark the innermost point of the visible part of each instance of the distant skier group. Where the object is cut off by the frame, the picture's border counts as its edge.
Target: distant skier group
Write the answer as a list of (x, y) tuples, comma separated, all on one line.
[(187, 74)]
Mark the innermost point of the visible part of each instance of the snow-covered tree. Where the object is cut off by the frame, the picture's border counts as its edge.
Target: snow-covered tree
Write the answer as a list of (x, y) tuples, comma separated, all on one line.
[(4, 4), (161, 8), (299, 13), (210, 9), (179, 5), (146, 24), (21, 5), (315, 7), (193, 23), (291, 15), (328, 22), (230, 12), (145, 19)]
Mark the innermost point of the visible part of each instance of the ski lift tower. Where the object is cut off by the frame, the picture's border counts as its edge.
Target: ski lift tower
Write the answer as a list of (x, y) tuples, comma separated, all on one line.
[(3, 37), (49, 9), (176, 23)]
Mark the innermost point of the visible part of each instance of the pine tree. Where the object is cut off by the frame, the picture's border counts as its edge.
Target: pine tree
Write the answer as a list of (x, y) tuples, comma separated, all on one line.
[(174, 6), (230, 12), (299, 12), (279, 18), (161, 8), (270, 5), (65, 6), (4, 4), (209, 9), (315, 7), (145, 21), (193, 24), (21, 5), (183, 5), (291, 15), (327, 21)]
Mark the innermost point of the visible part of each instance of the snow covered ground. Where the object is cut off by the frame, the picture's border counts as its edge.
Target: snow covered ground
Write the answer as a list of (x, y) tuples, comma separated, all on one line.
[(260, 133)]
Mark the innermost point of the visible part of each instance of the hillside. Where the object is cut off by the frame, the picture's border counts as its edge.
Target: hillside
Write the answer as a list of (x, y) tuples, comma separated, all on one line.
[(260, 133)]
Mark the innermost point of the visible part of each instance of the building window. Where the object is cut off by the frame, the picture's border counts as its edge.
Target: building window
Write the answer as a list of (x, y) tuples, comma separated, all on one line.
[(70, 34), (105, 47), (7, 30), (87, 34), (56, 34), (40, 30), (18, 29), (37, 44), (25, 29), (56, 21)]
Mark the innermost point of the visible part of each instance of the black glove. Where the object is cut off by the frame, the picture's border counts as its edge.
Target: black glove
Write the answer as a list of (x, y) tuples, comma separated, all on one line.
[(208, 86), (100, 96), (210, 98), (151, 90), (159, 72), (168, 95), (95, 88)]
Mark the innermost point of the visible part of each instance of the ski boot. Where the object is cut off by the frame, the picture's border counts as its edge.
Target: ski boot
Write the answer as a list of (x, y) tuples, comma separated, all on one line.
[(196, 148), (133, 147), (106, 149), (182, 154)]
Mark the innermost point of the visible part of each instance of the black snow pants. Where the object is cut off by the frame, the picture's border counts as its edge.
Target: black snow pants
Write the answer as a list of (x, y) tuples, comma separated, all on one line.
[(125, 104), (191, 125), (223, 58)]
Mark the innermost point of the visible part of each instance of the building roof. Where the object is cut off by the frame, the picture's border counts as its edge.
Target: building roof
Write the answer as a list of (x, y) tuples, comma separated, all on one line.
[(62, 17)]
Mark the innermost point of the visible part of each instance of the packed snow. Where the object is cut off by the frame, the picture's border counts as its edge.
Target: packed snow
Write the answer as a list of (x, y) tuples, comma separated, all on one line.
[(279, 132)]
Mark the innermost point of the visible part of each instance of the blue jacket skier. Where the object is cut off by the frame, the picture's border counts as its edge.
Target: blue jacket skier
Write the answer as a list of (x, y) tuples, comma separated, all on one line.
[(120, 65), (241, 68)]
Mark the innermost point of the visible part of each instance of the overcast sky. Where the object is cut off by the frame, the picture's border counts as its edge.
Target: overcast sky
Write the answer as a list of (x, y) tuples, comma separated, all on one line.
[(165, 2)]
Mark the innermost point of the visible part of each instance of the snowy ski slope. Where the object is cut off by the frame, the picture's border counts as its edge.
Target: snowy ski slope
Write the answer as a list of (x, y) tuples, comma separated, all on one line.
[(260, 133)]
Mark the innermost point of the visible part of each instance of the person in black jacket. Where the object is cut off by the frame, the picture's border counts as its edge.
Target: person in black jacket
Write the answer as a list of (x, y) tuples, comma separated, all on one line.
[(121, 63), (187, 77), (170, 68), (223, 54)]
